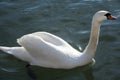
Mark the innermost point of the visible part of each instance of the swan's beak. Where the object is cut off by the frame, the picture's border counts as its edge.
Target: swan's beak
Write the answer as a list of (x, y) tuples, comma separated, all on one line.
[(110, 17)]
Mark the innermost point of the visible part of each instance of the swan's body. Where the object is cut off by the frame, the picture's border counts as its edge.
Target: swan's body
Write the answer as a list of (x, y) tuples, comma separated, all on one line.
[(47, 50)]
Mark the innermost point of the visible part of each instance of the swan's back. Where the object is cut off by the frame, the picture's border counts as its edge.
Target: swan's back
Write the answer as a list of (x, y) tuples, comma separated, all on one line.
[(50, 38)]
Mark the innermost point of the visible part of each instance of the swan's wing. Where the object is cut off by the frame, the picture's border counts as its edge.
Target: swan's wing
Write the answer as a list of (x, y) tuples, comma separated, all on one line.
[(45, 43), (48, 37), (40, 49), (54, 39)]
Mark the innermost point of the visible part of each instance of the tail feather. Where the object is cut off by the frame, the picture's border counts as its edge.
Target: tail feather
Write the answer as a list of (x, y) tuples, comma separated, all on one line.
[(6, 49), (18, 52)]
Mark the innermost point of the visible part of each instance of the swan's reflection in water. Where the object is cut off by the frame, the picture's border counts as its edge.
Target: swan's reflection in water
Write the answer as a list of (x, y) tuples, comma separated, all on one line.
[(79, 73)]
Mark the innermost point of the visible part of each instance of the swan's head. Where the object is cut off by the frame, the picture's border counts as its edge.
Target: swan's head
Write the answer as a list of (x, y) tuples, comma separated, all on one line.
[(103, 15)]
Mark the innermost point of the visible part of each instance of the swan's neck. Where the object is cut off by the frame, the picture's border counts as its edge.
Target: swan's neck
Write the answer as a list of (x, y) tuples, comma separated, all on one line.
[(94, 37)]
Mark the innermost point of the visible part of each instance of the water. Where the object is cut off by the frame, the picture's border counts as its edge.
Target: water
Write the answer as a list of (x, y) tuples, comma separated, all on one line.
[(69, 19)]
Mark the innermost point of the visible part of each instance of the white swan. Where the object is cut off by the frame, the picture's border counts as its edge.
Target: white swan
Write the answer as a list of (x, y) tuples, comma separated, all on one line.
[(47, 50)]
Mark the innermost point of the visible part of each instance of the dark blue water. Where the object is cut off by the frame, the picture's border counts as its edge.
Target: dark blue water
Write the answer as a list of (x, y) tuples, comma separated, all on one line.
[(69, 19)]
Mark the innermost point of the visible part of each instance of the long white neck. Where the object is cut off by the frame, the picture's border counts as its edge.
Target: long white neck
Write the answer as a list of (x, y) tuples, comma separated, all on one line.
[(94, 37)]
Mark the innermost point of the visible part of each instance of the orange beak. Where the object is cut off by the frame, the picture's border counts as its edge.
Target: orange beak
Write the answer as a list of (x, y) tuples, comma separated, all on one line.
[(110, 17)]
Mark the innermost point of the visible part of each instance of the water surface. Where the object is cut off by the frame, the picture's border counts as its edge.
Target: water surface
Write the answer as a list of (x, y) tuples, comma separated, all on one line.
[(69, 19)]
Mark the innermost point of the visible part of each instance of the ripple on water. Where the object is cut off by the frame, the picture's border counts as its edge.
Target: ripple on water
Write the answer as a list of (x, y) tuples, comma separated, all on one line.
[(6, 3), (83, 32), (76, 5), (9, 69), (30, 9)]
